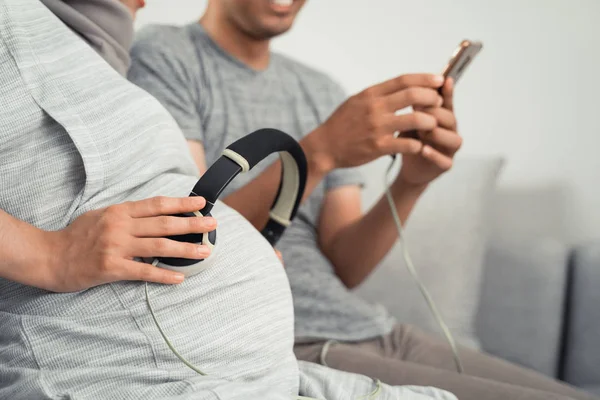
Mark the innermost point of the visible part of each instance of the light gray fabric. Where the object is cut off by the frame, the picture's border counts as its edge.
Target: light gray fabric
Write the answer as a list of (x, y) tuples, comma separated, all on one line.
[(216, 99), (52, 81), (446, 236), (76, 136), (106, 25), (582, 348), (322, 383), (67, 110), (522, 301)]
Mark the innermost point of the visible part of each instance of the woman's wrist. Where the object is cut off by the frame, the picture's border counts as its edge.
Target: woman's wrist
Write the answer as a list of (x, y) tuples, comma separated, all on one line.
[(28, 255)]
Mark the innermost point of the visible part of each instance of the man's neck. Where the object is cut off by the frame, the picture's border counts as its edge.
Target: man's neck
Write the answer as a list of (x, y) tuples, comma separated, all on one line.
[(254, 53)]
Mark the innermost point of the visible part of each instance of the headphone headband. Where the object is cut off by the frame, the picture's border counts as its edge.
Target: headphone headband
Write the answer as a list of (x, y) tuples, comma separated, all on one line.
[(241, 156)]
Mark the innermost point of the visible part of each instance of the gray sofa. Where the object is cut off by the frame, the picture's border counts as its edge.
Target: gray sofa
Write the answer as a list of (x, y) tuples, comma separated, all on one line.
[(535, 302), (540, 299), (540, 307)]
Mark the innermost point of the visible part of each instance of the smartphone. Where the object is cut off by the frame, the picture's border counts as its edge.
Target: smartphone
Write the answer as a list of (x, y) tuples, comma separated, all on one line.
[(464, 54), (462, 57)]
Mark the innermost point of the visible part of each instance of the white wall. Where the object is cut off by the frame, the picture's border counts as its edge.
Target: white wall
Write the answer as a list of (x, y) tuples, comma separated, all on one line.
[(532, 96)]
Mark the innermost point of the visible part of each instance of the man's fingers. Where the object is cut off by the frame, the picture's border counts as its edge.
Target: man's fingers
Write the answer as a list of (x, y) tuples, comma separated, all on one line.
[(448, 94), (417, 121), (137, 271), (169, 225), (445, 118), (413, 96), (163, 247), (165, 206), (391, 145), (444, 140), (442, 161), (405, 81)]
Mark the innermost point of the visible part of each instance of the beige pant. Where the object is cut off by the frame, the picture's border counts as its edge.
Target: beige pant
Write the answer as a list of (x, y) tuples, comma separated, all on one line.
[(408, 356)]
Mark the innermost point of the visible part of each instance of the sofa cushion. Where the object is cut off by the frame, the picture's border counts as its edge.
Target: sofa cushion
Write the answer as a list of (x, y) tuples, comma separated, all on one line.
[(520, 315), (446, 237), (582, 348)]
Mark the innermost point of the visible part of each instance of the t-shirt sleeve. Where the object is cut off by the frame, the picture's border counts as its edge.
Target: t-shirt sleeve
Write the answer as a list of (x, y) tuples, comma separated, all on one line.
[(342, 176), (165, 71)]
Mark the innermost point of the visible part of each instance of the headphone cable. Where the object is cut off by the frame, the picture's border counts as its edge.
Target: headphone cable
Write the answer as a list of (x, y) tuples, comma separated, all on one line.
[(413, 272)]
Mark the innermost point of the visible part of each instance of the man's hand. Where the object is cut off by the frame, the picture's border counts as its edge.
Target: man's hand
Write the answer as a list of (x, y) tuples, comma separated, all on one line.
[(362, 129), (341, 224), (99, 246), (440, 145)]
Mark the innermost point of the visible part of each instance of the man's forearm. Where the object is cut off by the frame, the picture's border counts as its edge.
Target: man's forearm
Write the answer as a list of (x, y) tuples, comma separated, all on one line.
[(24, 252), (254, 200), (359, 248)]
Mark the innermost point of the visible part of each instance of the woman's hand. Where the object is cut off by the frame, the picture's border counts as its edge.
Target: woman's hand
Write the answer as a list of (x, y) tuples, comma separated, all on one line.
[(100, 246)]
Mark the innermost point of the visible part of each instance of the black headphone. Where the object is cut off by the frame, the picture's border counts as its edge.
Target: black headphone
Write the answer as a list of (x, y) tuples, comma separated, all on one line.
[(241, 156)]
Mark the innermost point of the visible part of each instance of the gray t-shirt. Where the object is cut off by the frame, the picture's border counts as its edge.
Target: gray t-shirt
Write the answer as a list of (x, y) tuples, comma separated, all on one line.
[(216, 99)]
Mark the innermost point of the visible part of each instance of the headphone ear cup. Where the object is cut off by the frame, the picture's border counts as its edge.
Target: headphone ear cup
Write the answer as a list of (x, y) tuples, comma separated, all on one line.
[(212, 238), (209, 239)]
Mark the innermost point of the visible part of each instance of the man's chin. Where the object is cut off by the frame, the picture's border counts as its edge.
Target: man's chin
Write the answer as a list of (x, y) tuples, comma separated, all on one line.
[(271, 31)]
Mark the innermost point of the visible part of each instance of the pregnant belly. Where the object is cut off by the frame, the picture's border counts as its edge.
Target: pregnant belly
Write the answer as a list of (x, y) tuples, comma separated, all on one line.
[(233, 321)]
